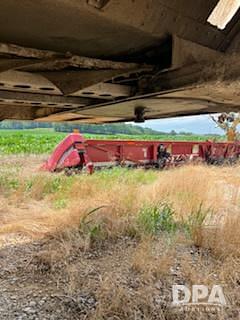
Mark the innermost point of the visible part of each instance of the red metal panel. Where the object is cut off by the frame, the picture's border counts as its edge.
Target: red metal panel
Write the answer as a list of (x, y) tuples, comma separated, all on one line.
[(62, 152)]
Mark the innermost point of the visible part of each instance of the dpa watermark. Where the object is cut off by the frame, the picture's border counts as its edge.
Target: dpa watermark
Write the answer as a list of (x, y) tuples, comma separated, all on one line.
[(198, 298)]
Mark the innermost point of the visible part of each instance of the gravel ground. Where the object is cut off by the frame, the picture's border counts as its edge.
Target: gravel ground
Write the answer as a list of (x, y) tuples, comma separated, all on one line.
[(75, 286), (30, 290)]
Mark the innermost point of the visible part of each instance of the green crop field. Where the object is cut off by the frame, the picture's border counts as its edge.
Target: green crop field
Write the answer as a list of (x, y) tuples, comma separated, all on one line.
[(40, 141)]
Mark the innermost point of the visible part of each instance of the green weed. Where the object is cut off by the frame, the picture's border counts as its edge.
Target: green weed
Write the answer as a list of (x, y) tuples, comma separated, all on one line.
[(8, 183), (157, 218), (60, 204), (91, 228), (196, 218), (195, 224)]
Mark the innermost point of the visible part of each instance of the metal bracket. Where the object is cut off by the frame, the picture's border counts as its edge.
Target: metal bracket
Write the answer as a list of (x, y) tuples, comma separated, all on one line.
[(98, 4), (139, 113)]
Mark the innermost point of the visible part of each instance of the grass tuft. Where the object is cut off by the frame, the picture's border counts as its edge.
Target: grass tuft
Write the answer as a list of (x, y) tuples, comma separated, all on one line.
[(156, 218)]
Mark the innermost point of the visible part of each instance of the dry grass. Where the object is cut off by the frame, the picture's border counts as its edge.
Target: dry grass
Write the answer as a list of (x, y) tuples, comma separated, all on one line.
[(117, 302), (152, 260), (43, 204)]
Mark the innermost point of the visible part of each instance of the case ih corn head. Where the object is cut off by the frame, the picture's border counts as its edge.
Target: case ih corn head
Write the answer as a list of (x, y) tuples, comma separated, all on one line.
[(75, 153)]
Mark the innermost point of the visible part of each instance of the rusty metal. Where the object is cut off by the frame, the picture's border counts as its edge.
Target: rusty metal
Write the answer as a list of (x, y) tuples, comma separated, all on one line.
[(19, 51), (123, 26), (185, 61), (11, 64), (80, 62), (43, 99)]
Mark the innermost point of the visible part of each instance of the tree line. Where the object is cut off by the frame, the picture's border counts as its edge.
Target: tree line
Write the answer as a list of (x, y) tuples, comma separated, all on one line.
[(115, 128)]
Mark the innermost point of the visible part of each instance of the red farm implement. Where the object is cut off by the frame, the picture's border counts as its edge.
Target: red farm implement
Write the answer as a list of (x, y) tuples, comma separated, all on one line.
[(76, 153)]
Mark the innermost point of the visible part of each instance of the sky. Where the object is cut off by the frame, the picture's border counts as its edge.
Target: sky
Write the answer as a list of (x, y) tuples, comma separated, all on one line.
[(196, 124)]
